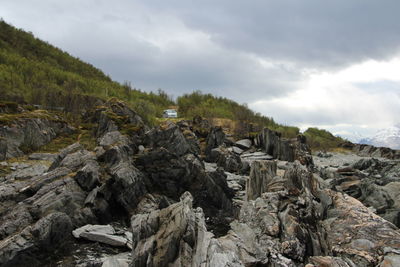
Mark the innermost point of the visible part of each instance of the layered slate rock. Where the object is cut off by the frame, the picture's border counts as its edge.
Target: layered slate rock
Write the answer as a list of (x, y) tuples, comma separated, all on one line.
[(225, 158), (171, 168), (47, 234), (373, 181), (302, 223), (177, 236), (284, 149), (115, 116), (29, 131), (372, 151), (261, 176), (215, 138)]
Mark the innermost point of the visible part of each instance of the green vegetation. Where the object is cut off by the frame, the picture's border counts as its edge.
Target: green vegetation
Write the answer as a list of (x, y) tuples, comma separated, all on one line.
[(209, 106), (320, 139), (83, 135), (7, 119), (36, 72)]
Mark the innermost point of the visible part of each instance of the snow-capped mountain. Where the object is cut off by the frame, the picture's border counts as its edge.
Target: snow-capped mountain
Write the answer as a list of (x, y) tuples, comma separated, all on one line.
[(389, 137), (354, 137)]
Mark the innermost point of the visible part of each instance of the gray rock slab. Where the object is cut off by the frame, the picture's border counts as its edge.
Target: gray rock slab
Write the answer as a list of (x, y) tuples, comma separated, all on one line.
[(112, 240), (28, 171), (243, 144), (104, 229), (119, 260), (237, 150), (42, 156)]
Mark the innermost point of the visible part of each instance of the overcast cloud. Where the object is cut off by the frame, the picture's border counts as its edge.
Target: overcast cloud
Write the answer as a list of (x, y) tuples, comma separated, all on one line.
[(332, 64)]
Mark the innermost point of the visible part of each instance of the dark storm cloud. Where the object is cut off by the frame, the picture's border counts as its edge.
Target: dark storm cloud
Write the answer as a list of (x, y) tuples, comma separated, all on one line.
[(312, 33)]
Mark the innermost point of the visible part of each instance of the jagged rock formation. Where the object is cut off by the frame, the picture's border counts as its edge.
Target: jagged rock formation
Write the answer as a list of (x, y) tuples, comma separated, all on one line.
[(284, 149), (261, 176), (215, 138), (298, 223), (177, 236), (372, 151), (28, 131), (245, 209), (373, 181)]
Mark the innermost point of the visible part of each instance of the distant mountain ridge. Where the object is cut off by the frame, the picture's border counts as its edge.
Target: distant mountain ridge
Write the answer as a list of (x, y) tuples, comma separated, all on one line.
[(388, 137)]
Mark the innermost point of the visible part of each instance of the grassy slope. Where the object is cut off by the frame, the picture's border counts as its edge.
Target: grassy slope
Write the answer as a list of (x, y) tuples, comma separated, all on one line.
[(36, 72)]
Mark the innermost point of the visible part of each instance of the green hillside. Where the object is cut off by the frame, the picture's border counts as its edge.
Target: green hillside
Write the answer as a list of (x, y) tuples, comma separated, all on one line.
[(320, 139), (35, 72), (209, 106)]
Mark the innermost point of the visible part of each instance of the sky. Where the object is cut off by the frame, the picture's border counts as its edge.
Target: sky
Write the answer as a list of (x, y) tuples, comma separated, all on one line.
[(309, 63)]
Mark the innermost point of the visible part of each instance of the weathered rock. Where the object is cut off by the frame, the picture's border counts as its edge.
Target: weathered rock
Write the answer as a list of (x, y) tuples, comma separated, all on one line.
[(177, 236), (25, 247), (371, 151), (128, 185), (171, 138), (104, 229), (63, 153), (30, 133), (112, 138), (42, 156), (285, 149), (112, 240), (114, 116), (215, 138), (355, 233), (27, 171), (172, 175), (201, 127), (119, 260), (328, 261), (237, 150), (191, 138), (229, 161), (243, 144), (261, 175), (88, 176)]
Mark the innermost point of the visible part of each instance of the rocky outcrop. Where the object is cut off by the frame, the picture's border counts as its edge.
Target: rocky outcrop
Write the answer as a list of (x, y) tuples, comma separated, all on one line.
[(169, 137), (29, 131), (261, 176), (103, 234), (249, 210), (45, 235), (116, 116), (298, 223), (80, 187), (372, 151), (177, 236), (171, 174), (373, 181), (215, 138), (284, 149), (225, 158)]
